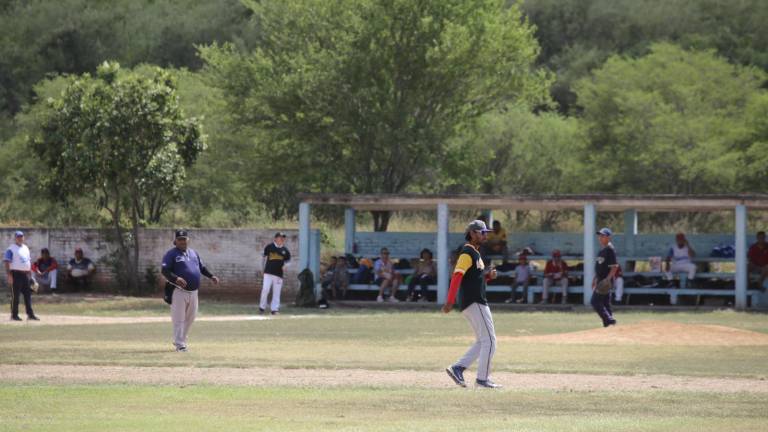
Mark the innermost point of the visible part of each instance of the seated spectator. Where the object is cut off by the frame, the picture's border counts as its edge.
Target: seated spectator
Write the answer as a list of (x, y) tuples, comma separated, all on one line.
[(679, 257), (496, 243), (386, 276), (327, 278), (80, 269), (340, 277), (555, 272), (758, 259), (522, 277), (45, 270), (425, 274)]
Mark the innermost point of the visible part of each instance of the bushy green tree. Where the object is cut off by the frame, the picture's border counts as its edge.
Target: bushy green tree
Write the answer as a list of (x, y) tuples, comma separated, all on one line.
[(673, 121), (121, 139), (360, 96)]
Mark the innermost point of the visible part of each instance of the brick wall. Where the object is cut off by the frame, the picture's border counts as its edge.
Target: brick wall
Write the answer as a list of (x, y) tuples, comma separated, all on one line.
[(232, 254)]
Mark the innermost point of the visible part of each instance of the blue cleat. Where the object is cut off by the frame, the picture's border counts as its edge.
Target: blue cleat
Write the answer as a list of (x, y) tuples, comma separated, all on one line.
[(457, 375)]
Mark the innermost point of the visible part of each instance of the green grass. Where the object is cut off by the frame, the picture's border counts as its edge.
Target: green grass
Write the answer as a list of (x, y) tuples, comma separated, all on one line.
[(381, 340), (132, 408), (374, 340)]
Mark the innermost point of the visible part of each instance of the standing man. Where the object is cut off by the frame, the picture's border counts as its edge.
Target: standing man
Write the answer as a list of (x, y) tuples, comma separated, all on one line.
[(18, 266), (275, 257), (470, 275), (606, 267), (182, 268), (758, 259)]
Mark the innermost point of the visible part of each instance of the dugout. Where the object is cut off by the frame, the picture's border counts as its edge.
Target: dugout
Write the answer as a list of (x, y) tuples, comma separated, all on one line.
[(630, 205)]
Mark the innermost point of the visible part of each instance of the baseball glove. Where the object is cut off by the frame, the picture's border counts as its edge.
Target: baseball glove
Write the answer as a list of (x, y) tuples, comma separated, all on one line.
[(168, 294), (604, 286)]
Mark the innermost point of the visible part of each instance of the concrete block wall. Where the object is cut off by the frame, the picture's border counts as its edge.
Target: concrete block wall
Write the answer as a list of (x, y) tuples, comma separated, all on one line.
[(233, 255)]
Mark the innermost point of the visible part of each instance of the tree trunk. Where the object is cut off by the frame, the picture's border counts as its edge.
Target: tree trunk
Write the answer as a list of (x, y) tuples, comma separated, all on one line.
[(381, 220)]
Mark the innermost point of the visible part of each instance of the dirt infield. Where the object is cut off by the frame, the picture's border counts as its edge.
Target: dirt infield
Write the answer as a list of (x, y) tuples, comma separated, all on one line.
[(271, 377), (655, 333), (58, 320)]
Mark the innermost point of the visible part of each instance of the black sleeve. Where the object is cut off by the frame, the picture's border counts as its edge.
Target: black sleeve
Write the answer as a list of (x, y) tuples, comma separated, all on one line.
[(287, 255), (610, 257), (203, 269), (169, 275)]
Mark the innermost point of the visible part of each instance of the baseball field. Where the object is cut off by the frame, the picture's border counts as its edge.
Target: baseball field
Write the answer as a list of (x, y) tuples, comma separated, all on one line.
[(107, 363)]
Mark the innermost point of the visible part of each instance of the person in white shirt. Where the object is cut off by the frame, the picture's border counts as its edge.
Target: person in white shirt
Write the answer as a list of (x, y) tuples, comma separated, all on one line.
[(679, 258), (18, 267)]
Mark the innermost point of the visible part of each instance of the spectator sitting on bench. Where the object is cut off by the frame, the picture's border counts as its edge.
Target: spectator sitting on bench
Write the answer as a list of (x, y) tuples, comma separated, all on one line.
[(386, 276), (555, 272), (758, 259), (44, 270), (340, 277), (522, 277), (80, 269), (496, 243), (425, 274), (327, 279), (679, 257)]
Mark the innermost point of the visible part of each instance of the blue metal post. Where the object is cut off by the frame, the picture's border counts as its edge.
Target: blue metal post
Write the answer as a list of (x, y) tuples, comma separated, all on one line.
[(303, 236), (349, 231), (741, 257), (589, 250), (443, 272)]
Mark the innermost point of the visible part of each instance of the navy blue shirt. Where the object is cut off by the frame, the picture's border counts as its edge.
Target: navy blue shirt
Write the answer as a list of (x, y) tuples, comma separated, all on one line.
[(606, 259), (186, 265)]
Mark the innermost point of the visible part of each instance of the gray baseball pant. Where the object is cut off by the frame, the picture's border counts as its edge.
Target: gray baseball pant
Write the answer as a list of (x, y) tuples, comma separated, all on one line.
[(479, 317), (183, 313)]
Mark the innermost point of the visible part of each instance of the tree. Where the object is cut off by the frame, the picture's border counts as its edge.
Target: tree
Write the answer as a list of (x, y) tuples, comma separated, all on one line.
[(121, 138), (670, 122), (361, 96)]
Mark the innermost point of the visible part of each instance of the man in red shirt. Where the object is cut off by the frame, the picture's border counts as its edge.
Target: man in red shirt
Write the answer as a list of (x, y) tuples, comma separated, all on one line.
[(555, 273), (758, 258), (45, 270)]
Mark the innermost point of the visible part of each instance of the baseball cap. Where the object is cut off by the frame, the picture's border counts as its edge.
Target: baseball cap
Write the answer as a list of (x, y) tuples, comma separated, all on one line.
[(556, 252), (78, 249), (280, 234), (680, 236), (605, 232), (182, 233), (19, 234), (477, 225)]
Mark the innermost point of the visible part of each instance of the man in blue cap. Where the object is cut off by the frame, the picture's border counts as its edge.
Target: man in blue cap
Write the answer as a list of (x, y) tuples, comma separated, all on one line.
[(18, 267), (182, 268), (606, 267)]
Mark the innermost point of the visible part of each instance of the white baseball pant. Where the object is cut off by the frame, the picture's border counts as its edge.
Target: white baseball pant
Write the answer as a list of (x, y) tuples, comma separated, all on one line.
[(618, 285), (183, 313), (479, 317), (274, 283), (683, 267)]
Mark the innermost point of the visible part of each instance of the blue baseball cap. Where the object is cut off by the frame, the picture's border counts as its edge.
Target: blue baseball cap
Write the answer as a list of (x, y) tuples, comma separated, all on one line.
[(19, 234), (605, 232)]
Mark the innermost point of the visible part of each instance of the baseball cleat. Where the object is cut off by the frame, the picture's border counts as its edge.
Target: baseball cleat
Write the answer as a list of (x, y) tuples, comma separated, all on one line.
[(33, 318), (487, 384), (457, 375), (181, 349)]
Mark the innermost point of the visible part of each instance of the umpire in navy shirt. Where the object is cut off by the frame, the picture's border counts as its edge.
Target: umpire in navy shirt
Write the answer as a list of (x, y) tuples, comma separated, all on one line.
[(182, 268), (606, 267)]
